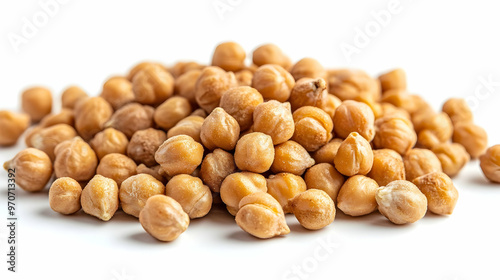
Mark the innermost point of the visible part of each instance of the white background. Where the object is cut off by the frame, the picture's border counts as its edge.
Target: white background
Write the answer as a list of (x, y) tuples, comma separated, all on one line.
[(446, 47)]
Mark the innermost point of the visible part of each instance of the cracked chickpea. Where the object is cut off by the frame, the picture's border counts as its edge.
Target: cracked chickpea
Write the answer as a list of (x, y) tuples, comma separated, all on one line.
[(144, 144), (33, 169), (215, 167), (71, 96), (353, 116), (132, 118), (354, 156), (274, 119), (394, 133), (357, 196), (135, 191), (117, 167), (270, 54), (254, 152), (152, 85), (238, 185), (179, 155), (211, 84), (229, 56), (490, 163), (326, 154), (190, 126), (109, 141), (219, 130), (48, 138), (117, 91), (64, 196), (240, 103), (194, 197), (170, 112), (285, 186), (308, 92), (90, 116), (307, 68), (453, 157), (314, 209), (13, 125), (323, 176), (441, 194), (37, 103), (419, 162), (313, 127), (75, 159), (387, 166), (100, 198), (472, 137), (273, 82), (291, 157)]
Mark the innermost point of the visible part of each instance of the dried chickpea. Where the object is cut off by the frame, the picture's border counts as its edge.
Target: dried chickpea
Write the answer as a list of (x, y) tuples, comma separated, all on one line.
[(330, 104), (71, 96), (307, 68), (194, 197), (472, 137), (394, 133), (190, 126), (100, 198), (76, 159), (170, 112), (270, 54), (244, 77), (274, 119), (395, 79), (326, 154), (229, 56), (387, 166), (238, 185), (353, 116), (135, 191), (90, 116), (185, 85), (389, 110), (240, 103), (441, 194), (33, 169), (401, 202), (401, 99), (261, 216), (490, 163), (314, 209), (273, 82), (348, 84), (163, 218), (419, 162), (152, 85), (254, 152), (439, 124), (64, 196), (139, 67), (182, 67), (200, 113), (313, 127), (131, 118), (452, 156), (117, 167), (354, 156), (13, 125), (179, 155), (66, 116), (458, 110), (420, 117), (285, 186), (323, 176), (291, 157), (308, 92), (109, 141), (215, 167), (219, 130), (427, 139), (118, 92), (144, 144), (37, 103), (211, 84), (154, 171), (30, 132), (357, 196), (48, 138)]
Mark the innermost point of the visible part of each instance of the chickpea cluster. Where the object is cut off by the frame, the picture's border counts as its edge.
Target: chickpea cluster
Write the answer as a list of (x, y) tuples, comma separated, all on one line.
[(265, 140)]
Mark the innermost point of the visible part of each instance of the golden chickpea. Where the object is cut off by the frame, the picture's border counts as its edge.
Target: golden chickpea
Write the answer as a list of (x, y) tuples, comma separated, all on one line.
[(307, 68), (394, 133), (152, 85), (200, 113), (109, 141), (395, 79), (313, 127), (71, 96), (240, 103), (229, 56), (439, 124), (453, 157), (215, 167), (254, 152), (179, 155), (66, 116), (219, 130), (182, 67), (75, 159), (135, 191), (270, 54), (244, 77), (285, 186), (144, 144), (100, 198), (261, 216), (170, 112), (273, 82), (90, 116), (118, 92), (155, 171), (314, 209), (211, 84), (458, 110), (33, 169), (131, 118), (190, 126), (472, 137), (330, 105), (357, 196), (427, 139), (326, 154), (308, 92), (64, 196), (390, 111), (274, 119), (48, 138), (353, 116), (117, 167), (401, 99), (238, 185), (490, 163), (194, 197), (419, 162), (36, 102), (185, 85), (387, 166), (354, 156), (441, 194), (348, 84), (291, 157), (13, 125), (140, 66), (323, 176)]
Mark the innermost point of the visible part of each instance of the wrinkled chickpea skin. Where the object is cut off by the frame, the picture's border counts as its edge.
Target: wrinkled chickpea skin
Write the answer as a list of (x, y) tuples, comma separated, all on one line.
[(441, 194), (135, 191), (254, 152), (100, 198), (194, 197), (179, 155), (240, 103), (401, 202), (215, 167), (274, 119), (314, 209), (64, 196), (313, 127), (33, 169)]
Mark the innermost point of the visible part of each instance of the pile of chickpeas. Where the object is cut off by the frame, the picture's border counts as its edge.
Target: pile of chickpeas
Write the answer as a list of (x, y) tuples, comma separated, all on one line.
[(268, 139)]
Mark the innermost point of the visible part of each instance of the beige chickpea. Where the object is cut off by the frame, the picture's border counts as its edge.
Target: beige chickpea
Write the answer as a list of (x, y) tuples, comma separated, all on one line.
[(75, 159), (64, 196), (394, 133), (323, 176), (472, 137), (66, 116), (100, 198), (439, 124), (313, 127), (274, 119), (254, 152), (388, 110), (395, 79), (330, 104), (349, 84), (220, 130), (190, 126), (182, 67), (307, 68), (152, 85), (71, 96), (48, 138), (419, 162), (117, 167), (238, 185), (185, 86), (135, 191), (326, 154), (240, 103), (353, 116), (357, 196), (244, 77), (215, 167), (427, 139), (354, 156), (387, 166), (194, 197), (155, 171), (118, 92), (270, 54), (490, 163), (144, 144), (131, 118), (308, 92), (211, 84), (109, 141), (33, 169), (90, 116), (453, 157), (441, 194), (458, 110), (170, 112), (291, 157), (314, 209), (140, 66), (401, 99), (229, 56), (36, 102), (273, 82), (179, 155), (13, 125), (285, 186)]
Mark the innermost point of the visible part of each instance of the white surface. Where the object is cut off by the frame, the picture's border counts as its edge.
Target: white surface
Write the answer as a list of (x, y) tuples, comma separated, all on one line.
[(446, 47)]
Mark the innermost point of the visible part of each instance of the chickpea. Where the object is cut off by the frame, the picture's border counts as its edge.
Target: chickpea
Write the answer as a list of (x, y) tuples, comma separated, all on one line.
[(190, 126), (326, 154), (330, 104), (140, 66), (71, 96), (458, 110), (118, 92), (185, 86), (270, 54), (152, 85), (144, 144), (179, 155), (394, 133), (170, 112), (453, 157), (291, 157), (401, 99), (353, 116), (240, 103), (441, 194), (307, 68), (395, 79), (200, 113), (401, 202), (13, 125), (390, 111), (37, 103), (238, 185), (261, 216), (109, 141), (136, 190), (273, 82), (194, 197), (354, 156), (211, 84), (215, 167), (419, 162), (75, 159), (387, 166), (285, 186), (490, 163), (244, 77), (323, 176), (100, 198), (155, 171), (313, 127), (314, 209), (182, 67), (254, 152), (219, 130), (472, 137), (33, 169), (64, 196), (308, 92), (274, 119), (66, 116), (132, 118), (48, 138), (357, 196), (427, 139), (356, 85), (117, 167), (439, 124), (229, 56), (90, 116)]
